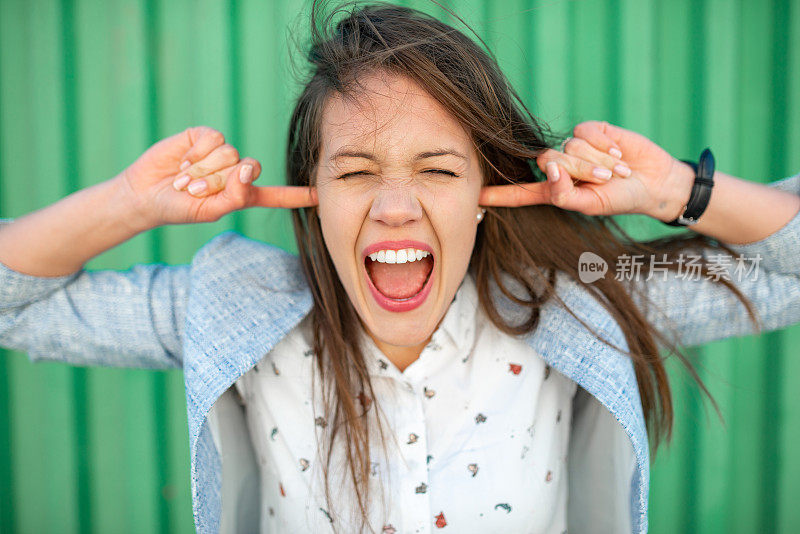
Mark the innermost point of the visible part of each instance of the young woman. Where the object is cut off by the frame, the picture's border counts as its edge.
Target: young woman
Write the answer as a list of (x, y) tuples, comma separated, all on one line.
[(433, 359)]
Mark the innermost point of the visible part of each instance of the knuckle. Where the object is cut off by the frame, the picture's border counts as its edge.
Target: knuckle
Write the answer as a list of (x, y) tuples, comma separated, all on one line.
[(216, 136), (215, 182), (229, 153), (573, 143), (582, 144), (580, 129), (240, 201), (585, 128), (198, 169), (548, 155)]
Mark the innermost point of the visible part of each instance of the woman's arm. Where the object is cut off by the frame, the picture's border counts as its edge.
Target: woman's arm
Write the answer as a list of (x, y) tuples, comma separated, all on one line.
[(697, 310), (738, 211), (51, 308), (642, 178), (59, 239), (760, 223), (131, 318)]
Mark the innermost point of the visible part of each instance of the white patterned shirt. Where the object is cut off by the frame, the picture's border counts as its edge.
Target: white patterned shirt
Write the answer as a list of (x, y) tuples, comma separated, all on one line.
[(477, 435)]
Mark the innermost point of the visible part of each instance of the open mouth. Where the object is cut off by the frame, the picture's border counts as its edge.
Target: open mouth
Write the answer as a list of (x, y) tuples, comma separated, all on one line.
[(399, 274)]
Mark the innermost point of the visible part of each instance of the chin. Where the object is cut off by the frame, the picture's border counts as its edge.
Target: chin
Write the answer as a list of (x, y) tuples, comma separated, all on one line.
[(400, 333), (409, 328)]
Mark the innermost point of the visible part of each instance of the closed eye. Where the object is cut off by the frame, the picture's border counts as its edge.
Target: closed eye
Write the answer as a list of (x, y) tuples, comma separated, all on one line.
[(434, 171), (347, 174), (442, 171)]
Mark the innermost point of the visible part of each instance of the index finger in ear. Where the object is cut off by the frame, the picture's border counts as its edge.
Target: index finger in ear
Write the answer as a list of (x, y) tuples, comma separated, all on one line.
[(285, 196), (599, 134), (514, 195)]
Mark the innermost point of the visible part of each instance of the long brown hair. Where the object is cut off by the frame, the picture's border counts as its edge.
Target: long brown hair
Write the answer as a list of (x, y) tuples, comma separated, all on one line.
[(525, 245)]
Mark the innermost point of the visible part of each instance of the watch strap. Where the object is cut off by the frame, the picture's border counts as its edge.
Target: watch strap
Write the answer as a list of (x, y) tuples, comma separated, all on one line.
[(701, 190)]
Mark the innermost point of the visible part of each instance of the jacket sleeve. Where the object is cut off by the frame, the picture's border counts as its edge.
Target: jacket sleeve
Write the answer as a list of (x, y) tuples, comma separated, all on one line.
[(131, 318), (697, 311)]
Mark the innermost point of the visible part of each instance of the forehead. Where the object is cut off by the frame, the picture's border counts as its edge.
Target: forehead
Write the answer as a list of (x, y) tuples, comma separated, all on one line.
[(389, 114)]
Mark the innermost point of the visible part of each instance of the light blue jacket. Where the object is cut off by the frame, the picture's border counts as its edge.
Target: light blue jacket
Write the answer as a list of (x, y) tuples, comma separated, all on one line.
[(221, 314)]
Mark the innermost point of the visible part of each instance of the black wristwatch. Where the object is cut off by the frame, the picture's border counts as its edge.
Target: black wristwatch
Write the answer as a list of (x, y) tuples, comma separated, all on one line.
[(701, 190)]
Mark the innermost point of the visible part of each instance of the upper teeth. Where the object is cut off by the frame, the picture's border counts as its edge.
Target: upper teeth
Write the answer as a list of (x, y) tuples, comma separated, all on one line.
[(398, 256)]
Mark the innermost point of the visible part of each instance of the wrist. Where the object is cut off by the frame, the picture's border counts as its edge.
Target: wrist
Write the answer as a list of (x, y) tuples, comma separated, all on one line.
[(126, 206), (674, 194)]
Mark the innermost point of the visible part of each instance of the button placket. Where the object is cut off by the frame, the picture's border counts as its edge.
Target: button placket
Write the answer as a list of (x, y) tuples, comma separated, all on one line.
[(413, 444)]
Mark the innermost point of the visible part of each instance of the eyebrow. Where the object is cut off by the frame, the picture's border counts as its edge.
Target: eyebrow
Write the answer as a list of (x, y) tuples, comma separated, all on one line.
[(345, 153)]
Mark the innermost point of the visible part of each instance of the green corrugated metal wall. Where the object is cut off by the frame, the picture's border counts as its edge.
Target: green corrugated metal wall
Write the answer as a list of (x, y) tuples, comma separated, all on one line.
[(86, 86)]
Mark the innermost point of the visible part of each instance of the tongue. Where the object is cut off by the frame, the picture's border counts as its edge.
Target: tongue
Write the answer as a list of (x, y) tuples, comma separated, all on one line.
[(399, 280)]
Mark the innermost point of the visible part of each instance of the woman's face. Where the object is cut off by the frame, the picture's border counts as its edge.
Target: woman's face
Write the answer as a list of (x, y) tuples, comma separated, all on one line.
[(404, 203)]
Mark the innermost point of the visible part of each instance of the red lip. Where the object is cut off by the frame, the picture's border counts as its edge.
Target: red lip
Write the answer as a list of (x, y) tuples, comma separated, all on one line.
[(395, 305)]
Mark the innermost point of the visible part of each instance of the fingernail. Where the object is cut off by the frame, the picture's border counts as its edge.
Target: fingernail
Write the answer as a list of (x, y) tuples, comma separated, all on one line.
[(197, 187), (245, 173), (185, 165), (552, 170), (600, 172), (181, 182), (615, 152), (622, 170)]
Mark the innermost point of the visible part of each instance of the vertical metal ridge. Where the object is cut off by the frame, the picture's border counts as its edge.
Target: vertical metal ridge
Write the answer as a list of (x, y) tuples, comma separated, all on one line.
[(614, 25), (71, 169), (530, 51), (158, 388), (569, 44), (235, 92), (774, 352), (7, 515), (696, 63)]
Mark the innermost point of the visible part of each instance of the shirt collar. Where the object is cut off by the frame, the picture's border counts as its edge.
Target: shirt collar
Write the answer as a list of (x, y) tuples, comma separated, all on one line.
[(459, 320)]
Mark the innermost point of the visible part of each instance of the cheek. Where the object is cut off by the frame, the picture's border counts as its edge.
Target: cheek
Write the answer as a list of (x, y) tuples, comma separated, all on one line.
[(454, 218), (340, 222), (458, 239)]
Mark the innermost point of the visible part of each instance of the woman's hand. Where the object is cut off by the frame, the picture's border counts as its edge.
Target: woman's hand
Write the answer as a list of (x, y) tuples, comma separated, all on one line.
[(642, 176), (194, 176)]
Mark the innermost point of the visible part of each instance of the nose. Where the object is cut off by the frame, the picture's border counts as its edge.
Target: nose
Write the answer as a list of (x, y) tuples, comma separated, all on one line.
[(395, 206)]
